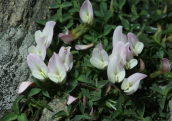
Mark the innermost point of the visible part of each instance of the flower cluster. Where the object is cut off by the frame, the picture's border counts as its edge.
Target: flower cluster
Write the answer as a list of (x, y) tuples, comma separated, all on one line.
[(59, 64), (122, 58)]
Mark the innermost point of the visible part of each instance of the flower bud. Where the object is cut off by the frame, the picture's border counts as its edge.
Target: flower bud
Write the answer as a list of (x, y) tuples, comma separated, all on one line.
[(165, 66), (86, 12), (142, 66)]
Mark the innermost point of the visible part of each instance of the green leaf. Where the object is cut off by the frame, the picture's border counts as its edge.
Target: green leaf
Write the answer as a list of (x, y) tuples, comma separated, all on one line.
[(107, 30), (141, 109), (105, 42), (45, 93), (42, 21), (163, 44), (69, 110), (39, 83), (150, 29), (133, 10), (87, 64), (59, 114), (9, 117), (87, 116), (54, 6), (70, 24), (157, 89), (78, 117), (129, 112), (95, 98), (162, 102), (34, 91), (125, 23), (86, 93), (48, 107), (121, 4), (59, 1), (59, 12), (74, 10), (103, 6), (168, 32), (98, 14), (70, 85), (168, 89), (22, 117), (55, 17), (66, 17), (83, 78), (147, 119), (119, 110), (143, 13), (74, 52), (16, 104), (66, 4), (81, 107), (160, 54), (88, 37), (67, 119), (89, 104)]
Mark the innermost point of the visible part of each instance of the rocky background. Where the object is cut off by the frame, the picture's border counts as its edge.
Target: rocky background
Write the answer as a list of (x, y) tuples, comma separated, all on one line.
[(17, 28)]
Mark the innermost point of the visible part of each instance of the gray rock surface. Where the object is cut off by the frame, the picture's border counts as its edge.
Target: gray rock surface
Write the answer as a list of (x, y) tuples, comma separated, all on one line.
[(17, 28), (57, 106)]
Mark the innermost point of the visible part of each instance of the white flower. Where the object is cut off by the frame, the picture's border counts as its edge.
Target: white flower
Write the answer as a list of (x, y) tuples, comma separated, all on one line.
[(86, 12), (131, 84), (57, 70), (115, 71), (99, 57), (47, 32), (136, 46)]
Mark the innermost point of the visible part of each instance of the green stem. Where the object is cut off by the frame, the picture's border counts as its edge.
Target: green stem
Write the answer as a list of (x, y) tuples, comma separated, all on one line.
[(141, 31), (154, 75), (49, 53)]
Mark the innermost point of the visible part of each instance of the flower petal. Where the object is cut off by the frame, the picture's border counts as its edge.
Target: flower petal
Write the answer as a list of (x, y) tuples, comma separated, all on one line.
[(133, 39), (115, 71), (100, 45), (24, 85), (104, 55), (33, 49), (38, 75), (119, 51), (96, 63), (48, 27), (139, 47), (66, 57), (86, 12), (71, 99), (54, 77), (35, 62), (136, 77), (62, 53), (57, 70), (119, 36), (41, 48), (132, 89), (83, 47), (67, 37), (38, 34), (125, 84), (131, 64)]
